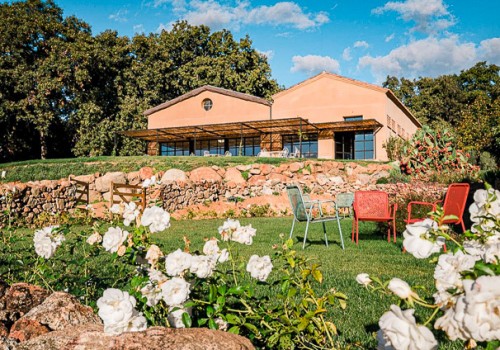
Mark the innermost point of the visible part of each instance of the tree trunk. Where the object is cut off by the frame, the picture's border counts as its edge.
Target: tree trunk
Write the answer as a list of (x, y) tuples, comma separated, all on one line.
[(43, 145)]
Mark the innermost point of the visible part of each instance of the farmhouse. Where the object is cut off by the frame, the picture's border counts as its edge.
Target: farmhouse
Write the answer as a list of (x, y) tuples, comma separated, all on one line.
[(326, 116)]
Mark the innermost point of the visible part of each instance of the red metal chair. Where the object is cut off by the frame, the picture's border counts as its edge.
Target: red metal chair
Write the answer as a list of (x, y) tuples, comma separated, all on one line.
[(454, 204), (373, 206)]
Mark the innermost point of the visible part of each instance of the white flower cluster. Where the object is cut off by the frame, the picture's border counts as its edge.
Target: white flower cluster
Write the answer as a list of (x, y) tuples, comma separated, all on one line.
[(231, 230), (130, 212), (113, 240), (260, 267), (149, 182), (117, 311), (417, 239), (485, 212), (156, 219), (46, 241), (399, 330)]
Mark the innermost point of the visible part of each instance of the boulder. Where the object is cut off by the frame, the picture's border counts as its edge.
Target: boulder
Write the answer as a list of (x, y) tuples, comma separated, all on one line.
[(61, 310), (91, 337), (204, 173), (22, 297), (338, 180), (26, 329), (175, 175), (103, 183), (134, 178), (294, 167), (146, 173), (265, 169), (233, 175)]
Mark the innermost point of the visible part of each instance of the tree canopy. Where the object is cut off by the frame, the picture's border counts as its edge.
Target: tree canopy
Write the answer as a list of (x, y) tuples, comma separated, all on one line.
[(65, 92)]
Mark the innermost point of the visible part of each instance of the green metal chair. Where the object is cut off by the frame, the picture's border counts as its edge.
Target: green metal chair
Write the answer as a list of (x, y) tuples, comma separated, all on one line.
[(304, 211), (345, 201)]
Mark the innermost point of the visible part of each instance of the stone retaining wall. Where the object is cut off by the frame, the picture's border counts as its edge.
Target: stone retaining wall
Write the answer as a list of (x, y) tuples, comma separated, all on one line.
[(176, 189)]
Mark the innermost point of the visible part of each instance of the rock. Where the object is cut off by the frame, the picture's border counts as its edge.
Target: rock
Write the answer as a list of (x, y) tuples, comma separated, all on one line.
[(103, 184), (134, 178), (265, 169), (234, 176), (338, 180), (146, 173), (256, 180), (322, 179), (380, 174), (22, 297), (91, 337), (61, 310), (243, 167), (255, 171), (175, 175), (84, 178), (204, 173), (363, 179), (294, 167), (26, 329)]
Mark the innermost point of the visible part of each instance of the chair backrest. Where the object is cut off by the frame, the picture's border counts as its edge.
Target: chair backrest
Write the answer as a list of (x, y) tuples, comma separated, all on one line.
[(297, 202), (371, 204), (456, 197), (127, 194), (344, 200), (285, 152)]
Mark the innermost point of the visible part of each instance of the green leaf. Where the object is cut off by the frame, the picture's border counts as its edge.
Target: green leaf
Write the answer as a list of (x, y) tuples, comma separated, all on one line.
[(186, 319), (212, 324), (291, 261), (252, 328), (222, 289), (233, 319), (210, 311), (234, 330), (285, 285), (318, 276), (235, 290)]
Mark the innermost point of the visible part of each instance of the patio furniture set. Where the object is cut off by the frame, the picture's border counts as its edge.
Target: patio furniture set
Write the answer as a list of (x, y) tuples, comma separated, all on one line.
[(370, 206)]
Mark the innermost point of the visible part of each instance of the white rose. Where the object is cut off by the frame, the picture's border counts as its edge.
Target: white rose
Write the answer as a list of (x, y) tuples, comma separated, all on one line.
[(44, 247), (474, 248), (149, 182), (130, 212), (156, 276), (480, 197), (364, 279), (177, 262), (136, 323), (115, 307), (174, 317), (492, 253), (44, 232), (482, 311), (244, 235), (201, 265), (152, 293), (116, 209), (154, 254), (416, 239), (94, 238), (211, 247), (227, 229), (447, 272), (452, 322), (175, 291), (398, 330), (223, 256), (221, 324), (156, 218), (401, 288), (113, 239), (260, 267)]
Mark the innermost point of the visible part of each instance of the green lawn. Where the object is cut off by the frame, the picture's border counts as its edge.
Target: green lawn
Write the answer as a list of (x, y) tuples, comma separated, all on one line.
[(356, 324)]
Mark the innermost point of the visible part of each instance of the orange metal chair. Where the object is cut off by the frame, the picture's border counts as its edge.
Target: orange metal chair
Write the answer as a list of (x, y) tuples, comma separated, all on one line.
[(373, 206), (454, 204)]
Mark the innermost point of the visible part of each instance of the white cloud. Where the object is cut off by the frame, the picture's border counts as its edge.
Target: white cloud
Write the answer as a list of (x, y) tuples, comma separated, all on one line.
[(389, 38), (426, 57), (177, 5), (269, 54), (430, 16), (119, 16), (312, 64), (361, 43), (139, 29), (489, 50), (346, 54), (218, 15)]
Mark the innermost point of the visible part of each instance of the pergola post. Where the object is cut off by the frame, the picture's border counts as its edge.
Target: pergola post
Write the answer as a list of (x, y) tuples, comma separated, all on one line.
[(300, 137)]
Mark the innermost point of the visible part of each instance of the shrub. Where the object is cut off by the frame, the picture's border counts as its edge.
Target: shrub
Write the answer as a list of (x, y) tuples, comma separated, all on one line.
[(394, 147), (487, 162), (435, 153)]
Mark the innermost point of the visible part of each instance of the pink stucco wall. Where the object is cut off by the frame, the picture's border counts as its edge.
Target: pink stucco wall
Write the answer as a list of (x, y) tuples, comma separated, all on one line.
[(226, 109)]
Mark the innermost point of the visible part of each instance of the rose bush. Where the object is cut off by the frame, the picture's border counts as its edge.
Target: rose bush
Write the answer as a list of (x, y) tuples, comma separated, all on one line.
[(467, 281)]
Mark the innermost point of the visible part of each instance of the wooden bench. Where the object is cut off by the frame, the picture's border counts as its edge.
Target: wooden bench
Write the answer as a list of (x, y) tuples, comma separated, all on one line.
[(127, 194), (82, 197)]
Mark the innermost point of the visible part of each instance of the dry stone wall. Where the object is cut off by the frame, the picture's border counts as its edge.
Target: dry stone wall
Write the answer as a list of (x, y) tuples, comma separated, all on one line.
[(177, 190)]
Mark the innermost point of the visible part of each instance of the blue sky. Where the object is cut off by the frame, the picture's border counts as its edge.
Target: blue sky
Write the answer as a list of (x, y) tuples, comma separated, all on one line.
[(360, 39)]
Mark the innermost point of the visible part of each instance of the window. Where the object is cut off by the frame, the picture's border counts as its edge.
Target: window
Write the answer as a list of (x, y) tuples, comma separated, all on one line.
[(309, 144), (179, 148), (354, 145), (207, 104), (353, 118)]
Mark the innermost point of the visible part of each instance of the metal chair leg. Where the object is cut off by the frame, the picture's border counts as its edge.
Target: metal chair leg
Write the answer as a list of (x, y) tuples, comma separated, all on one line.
[(291, 231), (305, 235), (340, 232)]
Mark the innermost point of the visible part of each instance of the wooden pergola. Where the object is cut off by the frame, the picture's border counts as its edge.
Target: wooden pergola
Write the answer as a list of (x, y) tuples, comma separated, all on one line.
[(285, 126)]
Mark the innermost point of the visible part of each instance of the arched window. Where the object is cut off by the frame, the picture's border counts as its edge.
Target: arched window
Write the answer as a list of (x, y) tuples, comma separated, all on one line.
[(207, 104)]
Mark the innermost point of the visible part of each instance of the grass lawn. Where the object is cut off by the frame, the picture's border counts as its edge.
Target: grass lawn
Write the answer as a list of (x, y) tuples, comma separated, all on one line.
[(357, 324)]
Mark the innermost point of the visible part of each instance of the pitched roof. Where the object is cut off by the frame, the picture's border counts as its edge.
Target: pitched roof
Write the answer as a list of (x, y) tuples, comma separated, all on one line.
[(386, 91), (210, 88)]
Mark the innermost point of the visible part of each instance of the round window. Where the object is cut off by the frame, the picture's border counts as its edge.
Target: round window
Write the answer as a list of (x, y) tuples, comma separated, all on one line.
[(207, 104)]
